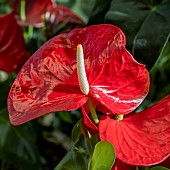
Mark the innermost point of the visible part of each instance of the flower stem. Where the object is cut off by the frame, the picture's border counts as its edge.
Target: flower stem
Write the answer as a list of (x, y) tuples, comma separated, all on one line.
[(119, 117), (22, 10), (93, 111), (30, 31)]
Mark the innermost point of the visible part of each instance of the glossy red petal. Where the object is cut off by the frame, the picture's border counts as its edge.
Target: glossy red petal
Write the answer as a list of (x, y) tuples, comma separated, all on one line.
[(119, 165), (120, 83), (34, 11), (49, 78), (12, 45), (47, 82), (93, 129), (143, 138), (63, 18)]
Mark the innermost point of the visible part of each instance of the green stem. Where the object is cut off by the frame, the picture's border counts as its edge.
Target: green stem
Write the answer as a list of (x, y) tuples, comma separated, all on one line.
[(119, 117), (93, 111), (30, 31), (22, 10), (142, 168)]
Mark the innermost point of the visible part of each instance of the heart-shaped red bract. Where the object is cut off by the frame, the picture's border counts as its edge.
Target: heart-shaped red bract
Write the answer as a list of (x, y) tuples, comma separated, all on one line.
[(140, 139), (34, 11), (63, 18), (12, 46), (48, 81)]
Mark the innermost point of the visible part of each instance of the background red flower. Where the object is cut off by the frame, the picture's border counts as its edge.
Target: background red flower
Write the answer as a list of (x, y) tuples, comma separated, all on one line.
[(34, 11), (12, 45), (141, 138), (59, 19)]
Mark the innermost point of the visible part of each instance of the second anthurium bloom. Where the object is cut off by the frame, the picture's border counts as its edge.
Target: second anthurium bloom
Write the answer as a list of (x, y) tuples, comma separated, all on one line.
[(13, 52), (140, 138), (49, 80)]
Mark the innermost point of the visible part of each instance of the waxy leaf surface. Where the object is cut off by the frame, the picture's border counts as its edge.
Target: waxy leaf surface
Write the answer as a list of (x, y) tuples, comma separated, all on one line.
[(19, 145), (34, 11), (77, 157), (145, 23), (12, 46), (103, 156), (142, 138), (49, 82)]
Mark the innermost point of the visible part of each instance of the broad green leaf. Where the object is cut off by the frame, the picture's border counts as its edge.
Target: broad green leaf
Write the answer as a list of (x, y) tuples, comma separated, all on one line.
[(65, 116), (76, 132), (18, 144), (79, 129), (78, 157), (4, 90), (103, 156), (165, 52), (159, 75), (159, 168), (145, 23), (99, 10)]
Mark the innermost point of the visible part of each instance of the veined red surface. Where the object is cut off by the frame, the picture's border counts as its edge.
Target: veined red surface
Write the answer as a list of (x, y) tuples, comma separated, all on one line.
[(142, 138)]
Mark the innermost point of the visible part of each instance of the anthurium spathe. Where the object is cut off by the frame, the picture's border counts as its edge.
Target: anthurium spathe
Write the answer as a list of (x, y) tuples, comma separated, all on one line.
[(61, 19), (49, 81), (12, 46), (30, 12), (142, 138)]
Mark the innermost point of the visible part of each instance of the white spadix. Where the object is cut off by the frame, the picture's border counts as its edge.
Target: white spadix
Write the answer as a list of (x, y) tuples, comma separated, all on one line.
[(82, 78)]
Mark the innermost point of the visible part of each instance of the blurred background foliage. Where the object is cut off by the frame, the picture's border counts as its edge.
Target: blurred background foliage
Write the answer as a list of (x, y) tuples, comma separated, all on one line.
[(42, 143)]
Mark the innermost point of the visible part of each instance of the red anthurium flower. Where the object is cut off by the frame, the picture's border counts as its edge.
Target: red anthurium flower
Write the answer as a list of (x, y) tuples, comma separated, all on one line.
[(142, 138), (61, 19), (12, 46), (34, 11), (49, 82)]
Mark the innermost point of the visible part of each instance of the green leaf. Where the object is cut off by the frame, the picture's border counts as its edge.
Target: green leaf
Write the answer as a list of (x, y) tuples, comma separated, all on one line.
[(159, 168), (159, 76), (103, 156), (145, 23), (4, 90), (76, 132), (80, 129), (161, 59), (78, 157), (18, 144), (160, 73), (99, 10), (65, 116)]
